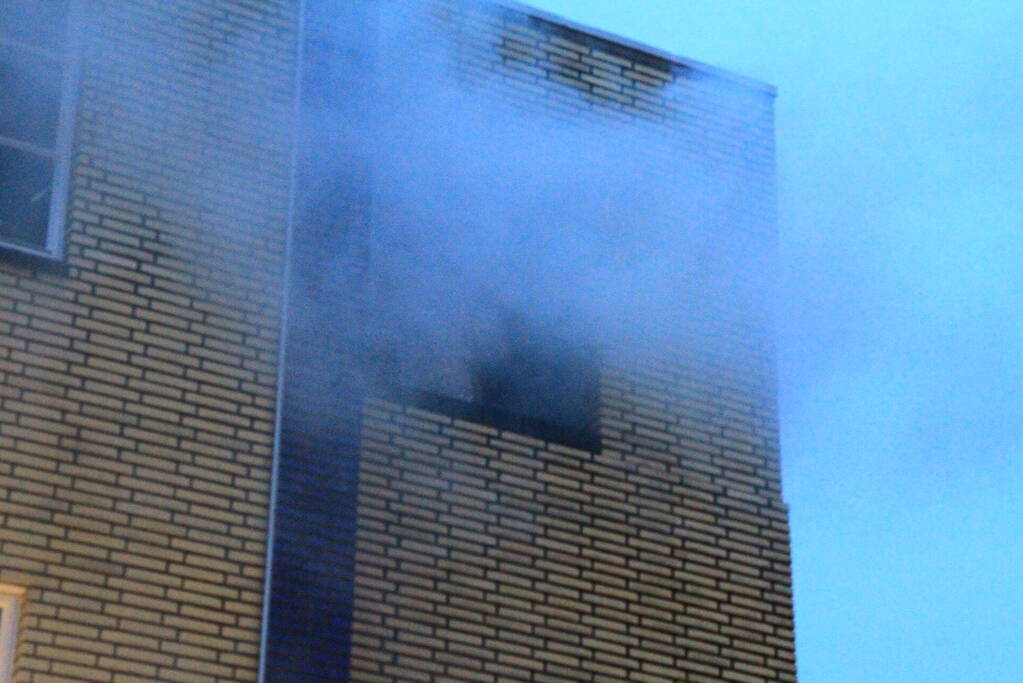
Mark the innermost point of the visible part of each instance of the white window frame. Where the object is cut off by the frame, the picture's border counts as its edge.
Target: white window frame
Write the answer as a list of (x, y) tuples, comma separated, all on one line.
[(69, 59), (11, 598)]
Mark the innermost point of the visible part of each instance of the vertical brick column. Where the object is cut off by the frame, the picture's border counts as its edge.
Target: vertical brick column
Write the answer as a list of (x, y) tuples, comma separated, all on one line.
[(314, 525)]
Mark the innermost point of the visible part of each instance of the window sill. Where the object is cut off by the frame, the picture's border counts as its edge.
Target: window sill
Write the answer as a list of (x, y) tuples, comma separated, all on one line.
[(498, 418), (37, 261)]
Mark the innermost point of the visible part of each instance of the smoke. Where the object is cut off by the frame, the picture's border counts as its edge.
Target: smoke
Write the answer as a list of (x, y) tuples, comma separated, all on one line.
[(589, 230), (485, 210), (453, 222)]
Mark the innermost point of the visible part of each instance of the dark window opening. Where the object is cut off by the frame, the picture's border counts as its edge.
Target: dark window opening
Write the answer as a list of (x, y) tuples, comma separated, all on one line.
[(39, 23), (25, 200), (540, 374), (34, 95), (524, 376)]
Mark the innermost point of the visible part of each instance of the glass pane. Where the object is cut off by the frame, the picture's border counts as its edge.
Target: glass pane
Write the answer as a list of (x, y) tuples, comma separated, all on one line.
[(29, 97), (25, 181), (42, 23)]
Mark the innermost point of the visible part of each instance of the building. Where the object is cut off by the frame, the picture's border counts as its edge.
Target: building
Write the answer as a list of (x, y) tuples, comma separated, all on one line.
[(513, 417)]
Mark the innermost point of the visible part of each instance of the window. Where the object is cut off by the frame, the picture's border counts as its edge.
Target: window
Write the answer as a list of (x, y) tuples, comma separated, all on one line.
[(484, 363), (36, 83), (10, 602), (535, 371)]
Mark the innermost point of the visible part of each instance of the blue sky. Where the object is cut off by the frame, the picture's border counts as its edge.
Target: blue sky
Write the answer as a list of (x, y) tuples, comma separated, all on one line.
[(900, 160)]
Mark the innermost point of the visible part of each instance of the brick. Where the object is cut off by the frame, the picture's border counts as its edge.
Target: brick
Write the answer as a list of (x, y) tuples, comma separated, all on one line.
[(137, 407)]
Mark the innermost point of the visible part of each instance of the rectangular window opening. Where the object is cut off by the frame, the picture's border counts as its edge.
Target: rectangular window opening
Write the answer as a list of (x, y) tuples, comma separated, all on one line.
[(524, 375), (36, 94)]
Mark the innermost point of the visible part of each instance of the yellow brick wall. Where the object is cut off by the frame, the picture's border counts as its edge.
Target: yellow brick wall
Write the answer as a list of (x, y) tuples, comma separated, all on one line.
[(137, 389), (485, 555), (137, 383)]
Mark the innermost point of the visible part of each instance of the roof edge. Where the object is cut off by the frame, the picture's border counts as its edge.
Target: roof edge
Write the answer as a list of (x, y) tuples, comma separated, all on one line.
[(693, 64)]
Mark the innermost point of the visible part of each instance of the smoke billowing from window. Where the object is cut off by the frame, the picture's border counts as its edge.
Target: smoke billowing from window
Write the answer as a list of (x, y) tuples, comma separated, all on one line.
[(485, 205), (451, 220)]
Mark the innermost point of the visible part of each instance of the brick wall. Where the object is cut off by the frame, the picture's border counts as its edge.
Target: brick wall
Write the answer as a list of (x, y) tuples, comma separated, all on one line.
[(138, 381), (138, 384), (662, 555), (486, 555)]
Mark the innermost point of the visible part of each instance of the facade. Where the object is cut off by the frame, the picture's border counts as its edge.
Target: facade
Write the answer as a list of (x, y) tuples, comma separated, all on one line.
[(232, 446)]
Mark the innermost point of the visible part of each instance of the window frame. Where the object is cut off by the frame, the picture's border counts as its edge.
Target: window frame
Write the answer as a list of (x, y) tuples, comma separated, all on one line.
[(11, 600), (69, 58)]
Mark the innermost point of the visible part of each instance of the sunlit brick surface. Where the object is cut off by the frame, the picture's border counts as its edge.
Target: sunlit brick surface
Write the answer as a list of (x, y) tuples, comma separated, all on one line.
[(137, 385)]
